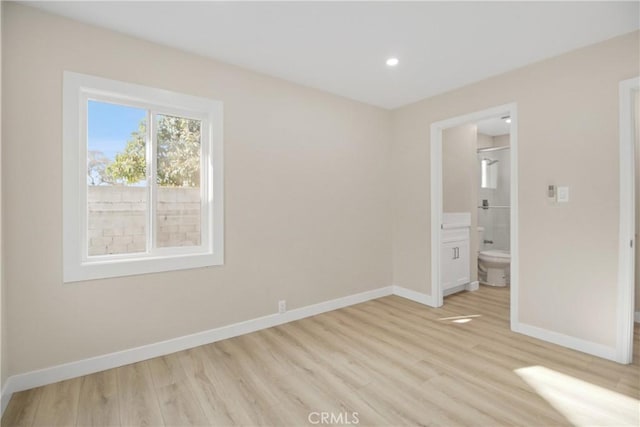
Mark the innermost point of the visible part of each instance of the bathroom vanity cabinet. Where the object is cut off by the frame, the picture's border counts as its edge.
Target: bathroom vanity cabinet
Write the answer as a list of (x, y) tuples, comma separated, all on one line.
[(455, 252), (455, 259)]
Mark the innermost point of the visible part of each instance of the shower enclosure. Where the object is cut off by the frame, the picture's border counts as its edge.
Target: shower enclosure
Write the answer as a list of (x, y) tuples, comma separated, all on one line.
[(494, 197)]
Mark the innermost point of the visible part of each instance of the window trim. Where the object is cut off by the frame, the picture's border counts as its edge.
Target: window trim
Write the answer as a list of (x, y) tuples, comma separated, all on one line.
[(78, 89)]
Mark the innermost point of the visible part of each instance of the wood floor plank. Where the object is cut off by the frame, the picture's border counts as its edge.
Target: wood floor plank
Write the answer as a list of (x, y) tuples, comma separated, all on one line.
[(59, 404), (178, 402), (242, 359), (402, 403), (98, 404), (513, 408), (137, 398), (332, 353), (166, 370), (21, 410), (249, 397), (324, 380), (214, 388), (179, 405), (367, 359), (437, 392)]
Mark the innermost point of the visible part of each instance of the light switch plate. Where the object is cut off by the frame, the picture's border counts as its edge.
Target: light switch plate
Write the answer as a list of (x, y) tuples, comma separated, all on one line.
[(563, 194)]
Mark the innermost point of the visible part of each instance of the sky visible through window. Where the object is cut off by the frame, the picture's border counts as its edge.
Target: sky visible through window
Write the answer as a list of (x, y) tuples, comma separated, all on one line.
[(110, 126)]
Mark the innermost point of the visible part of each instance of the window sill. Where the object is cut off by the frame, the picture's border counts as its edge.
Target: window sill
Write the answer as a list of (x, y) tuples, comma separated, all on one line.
[(104, 269)]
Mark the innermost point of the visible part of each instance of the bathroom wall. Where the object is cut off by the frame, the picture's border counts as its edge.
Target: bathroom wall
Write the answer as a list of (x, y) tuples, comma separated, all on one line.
[(501, 140), (496, 220), (484, 140), (458, 148), (460, 180)]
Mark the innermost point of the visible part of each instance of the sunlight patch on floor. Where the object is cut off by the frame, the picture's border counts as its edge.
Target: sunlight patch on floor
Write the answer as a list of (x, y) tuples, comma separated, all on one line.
[(460, 319), (582, 403)]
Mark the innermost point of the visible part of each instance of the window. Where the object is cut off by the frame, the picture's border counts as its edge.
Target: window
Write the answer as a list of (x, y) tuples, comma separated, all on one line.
[(142, 170)]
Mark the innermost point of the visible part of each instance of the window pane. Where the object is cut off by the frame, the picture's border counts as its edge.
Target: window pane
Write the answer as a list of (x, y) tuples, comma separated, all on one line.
[(116, 179), (178, 179)]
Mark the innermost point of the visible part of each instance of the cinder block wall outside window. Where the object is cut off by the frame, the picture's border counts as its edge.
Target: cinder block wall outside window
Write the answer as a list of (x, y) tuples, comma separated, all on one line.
[(117, 222)]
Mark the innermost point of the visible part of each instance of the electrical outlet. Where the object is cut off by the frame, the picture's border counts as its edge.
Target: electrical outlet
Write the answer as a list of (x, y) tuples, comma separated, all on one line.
[(282, 306)]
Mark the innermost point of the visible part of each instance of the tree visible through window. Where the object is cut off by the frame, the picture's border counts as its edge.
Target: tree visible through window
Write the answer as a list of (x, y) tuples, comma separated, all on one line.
[(178, 154)]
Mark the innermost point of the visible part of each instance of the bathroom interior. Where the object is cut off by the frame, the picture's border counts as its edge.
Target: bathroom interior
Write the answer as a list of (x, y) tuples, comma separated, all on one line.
[(476, 205)]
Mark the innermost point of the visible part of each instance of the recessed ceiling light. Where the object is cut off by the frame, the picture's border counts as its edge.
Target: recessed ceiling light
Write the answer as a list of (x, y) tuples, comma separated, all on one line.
[(507, 119), (392, 62)]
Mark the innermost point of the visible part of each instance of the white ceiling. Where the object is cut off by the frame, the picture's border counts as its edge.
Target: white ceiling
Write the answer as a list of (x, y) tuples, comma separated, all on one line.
[(341, 47), (493, 127)]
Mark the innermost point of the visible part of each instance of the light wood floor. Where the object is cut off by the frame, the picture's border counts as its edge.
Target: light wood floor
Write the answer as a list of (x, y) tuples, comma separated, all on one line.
[(385, 362)]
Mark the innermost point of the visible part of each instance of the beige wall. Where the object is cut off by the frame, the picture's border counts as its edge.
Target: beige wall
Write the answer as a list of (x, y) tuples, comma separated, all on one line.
[(460, 180), (458, 155), (485, 141), (307, 193), (567, 128), (501, 140)]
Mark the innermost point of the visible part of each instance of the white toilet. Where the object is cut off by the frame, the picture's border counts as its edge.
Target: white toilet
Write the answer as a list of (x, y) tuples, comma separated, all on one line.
[(493, 265)]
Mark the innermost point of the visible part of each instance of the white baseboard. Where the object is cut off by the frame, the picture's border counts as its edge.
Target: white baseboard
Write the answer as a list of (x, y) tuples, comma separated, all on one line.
[(413, 295), (637, 317), (78, 368), (573, 343), (472, 286)]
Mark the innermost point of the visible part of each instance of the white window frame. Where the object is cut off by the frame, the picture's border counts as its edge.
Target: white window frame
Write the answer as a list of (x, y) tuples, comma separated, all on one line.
[(78, 89)]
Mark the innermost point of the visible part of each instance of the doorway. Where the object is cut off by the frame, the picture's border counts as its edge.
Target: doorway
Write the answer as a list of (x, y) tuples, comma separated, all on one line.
[(437, 129)]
